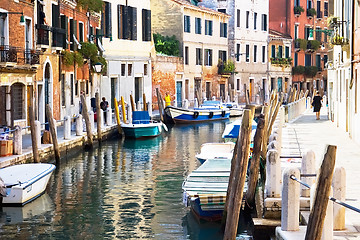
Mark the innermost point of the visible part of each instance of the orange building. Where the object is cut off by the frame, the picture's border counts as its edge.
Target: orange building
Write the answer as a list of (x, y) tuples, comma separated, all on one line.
[(306, 22)]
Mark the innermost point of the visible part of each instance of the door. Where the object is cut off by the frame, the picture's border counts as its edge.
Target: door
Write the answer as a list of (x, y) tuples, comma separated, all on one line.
[(112, 94), (208, 91), (138, 89), (222, 91), (179, 94), (279, 84), (187, 89), (28, 100), (251, 90)]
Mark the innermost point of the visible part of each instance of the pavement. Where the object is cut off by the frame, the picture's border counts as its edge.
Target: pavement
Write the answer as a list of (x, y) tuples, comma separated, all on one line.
[(305, 133)]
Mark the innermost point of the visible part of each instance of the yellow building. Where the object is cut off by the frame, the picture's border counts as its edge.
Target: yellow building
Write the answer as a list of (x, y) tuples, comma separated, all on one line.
[(202, 33)]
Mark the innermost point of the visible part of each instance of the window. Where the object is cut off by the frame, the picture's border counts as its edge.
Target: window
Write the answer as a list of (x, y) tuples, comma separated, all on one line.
[(287, 52), (238, 52), (296, 3), (72, 89), (123, 67), (295, 60), (73, 33), (145, 69), (264, 22), (296, 32), (326, 9), (18, 101), (273, 49), (198, 56), (186, 23), (106, 22), (255, 53), (63, 90), (129, 69), (325, 60), (307, 59), (208, 57), (127, 22), (255, 20), (309, 4), (76, 87), (208, 27), (318, 9), (263, 54), (247, 53), (238, 18), (198, 25), (186, 56), (318, 62), (318, 34), (87, 87), (223, 30), (223, 10), (238, 84), (222, 55), (146, 25), (81, 32), (306, 32), (280, 52), (247, 19)]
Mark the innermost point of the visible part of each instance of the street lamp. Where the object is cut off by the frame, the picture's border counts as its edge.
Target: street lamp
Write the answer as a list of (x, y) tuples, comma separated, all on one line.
[(98, 67)]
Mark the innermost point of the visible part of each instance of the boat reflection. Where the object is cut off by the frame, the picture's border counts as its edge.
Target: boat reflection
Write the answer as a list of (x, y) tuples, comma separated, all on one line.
[(15, 215)]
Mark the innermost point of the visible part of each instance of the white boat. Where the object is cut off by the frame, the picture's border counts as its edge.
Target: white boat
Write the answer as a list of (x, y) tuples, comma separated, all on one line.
[(235, 109), (215, 151), (25, 182)]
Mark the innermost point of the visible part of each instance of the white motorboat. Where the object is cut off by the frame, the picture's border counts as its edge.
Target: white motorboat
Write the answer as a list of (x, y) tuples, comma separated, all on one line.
[(215, 151), (24, 182)]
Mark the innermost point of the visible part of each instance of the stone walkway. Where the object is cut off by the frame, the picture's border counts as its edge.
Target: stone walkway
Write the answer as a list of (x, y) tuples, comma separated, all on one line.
[(307, 133)]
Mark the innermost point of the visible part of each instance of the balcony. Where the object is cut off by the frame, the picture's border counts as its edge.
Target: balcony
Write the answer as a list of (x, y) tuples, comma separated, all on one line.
[(283, 62), (58, 37), (8, 54), (43, 35), (32, 57)]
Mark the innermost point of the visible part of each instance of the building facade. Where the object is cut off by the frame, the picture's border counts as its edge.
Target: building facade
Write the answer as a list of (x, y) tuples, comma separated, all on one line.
[(280, 61), (202, 33), (126, 39), (306, 22), (19, 61)]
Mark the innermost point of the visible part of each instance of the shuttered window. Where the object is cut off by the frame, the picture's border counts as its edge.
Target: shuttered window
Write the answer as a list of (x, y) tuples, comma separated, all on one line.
[(107, 20), (146, 25), (55, 16), (238, 18), (64, 25), (273, 51), (127, 23), (18, 101), (264, 22), (208, 27), (208, 57), (186, 55), (186, 23), (198, 56), (223, 30), (73, 32), (198, 25), (81, 32), (238, 52)]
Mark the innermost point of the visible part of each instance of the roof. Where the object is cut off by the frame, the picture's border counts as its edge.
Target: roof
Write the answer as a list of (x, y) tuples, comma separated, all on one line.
[(276, 34), (200, 8)]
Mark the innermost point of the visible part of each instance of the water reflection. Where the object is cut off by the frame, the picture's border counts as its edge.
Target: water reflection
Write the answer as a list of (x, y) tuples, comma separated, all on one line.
[(125, 189)]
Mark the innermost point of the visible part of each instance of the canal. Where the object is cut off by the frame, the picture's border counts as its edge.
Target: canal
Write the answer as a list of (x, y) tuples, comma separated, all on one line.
[(125, 189)]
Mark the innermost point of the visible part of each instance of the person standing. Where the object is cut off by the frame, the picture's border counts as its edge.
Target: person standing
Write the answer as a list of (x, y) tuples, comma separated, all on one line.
[(316, 103), (104, 105), (167, 100)]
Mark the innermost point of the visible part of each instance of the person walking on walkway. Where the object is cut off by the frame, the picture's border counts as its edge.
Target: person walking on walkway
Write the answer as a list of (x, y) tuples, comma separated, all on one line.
[(316, 103)]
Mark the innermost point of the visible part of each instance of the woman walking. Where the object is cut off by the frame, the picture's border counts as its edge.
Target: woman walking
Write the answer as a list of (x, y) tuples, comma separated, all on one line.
[(316, 103)]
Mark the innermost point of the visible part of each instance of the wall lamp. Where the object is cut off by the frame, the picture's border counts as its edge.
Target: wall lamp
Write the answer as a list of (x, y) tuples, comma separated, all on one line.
[(22, 18)]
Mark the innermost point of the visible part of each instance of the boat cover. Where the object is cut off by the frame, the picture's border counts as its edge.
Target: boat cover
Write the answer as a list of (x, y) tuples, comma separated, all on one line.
[(232, 129), (141, 117)]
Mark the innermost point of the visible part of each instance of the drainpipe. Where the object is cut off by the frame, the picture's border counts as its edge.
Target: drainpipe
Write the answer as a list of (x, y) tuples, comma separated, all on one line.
[(352, 45)]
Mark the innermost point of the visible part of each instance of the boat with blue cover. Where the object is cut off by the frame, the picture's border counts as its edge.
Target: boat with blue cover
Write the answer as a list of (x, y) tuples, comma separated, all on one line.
[(201, 114), (142, 126)]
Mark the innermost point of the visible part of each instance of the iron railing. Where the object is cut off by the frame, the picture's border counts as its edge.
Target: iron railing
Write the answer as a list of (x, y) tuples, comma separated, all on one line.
[(18, 55)]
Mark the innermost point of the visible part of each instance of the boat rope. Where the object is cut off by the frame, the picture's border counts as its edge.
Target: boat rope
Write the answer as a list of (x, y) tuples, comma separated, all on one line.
[(292, 177)]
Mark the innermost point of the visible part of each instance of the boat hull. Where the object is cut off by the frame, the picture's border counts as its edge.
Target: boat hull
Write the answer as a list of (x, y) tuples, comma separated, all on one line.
[(206, 215), (33, 183), (180, 115), (142, 130)]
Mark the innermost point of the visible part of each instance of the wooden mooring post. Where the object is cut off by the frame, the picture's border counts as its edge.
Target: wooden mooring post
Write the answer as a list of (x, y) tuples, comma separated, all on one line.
[(160, 104), (53, 132), (238, 177), (133, 108), (318, 210), (117, 116), (34, 136), (85, 114), (98, 116), (255, 162)]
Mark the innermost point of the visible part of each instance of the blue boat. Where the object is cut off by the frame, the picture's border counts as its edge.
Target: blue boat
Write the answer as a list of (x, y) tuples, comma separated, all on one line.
[(202, 114), (142, 126)]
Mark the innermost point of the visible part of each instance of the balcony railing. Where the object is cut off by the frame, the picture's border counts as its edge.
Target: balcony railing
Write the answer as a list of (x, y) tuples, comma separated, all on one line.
[(58, 37), (8, 54), (42, 34), (32, 56)]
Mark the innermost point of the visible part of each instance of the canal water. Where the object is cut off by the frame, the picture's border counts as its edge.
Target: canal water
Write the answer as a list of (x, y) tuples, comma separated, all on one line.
[(125, 189)]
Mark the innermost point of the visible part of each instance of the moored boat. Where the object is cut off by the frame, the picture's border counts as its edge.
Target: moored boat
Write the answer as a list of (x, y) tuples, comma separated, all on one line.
[(142, 126), (204, 190), (215, 151), (25, 182), (182, 115)]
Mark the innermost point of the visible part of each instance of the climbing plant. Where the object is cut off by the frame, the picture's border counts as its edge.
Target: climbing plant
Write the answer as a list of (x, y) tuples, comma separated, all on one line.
[(166, 45)]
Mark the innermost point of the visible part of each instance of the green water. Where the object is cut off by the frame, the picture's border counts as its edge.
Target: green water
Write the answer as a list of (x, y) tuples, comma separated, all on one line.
[(125, 189)]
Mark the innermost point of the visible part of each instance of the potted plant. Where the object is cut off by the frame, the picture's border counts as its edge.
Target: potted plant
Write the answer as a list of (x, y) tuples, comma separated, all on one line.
[(298, 10), (310, 12)]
